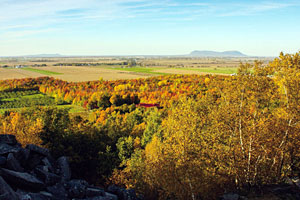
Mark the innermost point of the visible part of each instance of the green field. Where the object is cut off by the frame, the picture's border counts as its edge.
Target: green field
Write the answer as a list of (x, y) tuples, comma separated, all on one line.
[(217, 70), (145, 70), (34, 96), (73, 108), (19, 100), (45, 72)]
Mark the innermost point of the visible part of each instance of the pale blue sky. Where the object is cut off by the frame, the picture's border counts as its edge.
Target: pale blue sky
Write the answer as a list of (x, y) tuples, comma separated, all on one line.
[(140, 27)]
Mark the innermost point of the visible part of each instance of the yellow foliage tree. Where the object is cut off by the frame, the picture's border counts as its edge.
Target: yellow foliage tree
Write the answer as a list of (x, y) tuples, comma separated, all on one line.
[(25, 129)]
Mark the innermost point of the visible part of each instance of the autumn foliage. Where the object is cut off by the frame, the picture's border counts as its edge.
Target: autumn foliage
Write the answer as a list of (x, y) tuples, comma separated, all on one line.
[(210, 134)]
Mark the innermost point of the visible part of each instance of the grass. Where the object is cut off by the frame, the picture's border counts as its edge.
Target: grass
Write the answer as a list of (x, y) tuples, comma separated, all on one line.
[(33, 96), (73, 108), (45, 72), (2, 110), (145, 70), (217, 70)]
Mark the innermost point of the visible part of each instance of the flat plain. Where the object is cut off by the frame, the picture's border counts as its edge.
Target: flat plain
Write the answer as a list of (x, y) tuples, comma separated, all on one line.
[(78, 69), (86, 73)]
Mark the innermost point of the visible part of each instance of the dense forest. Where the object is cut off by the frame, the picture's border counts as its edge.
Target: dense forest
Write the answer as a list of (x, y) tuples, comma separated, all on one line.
[(208, 135)]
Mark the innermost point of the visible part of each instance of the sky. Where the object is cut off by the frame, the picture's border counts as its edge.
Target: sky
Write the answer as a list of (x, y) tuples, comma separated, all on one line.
[(152, 27)]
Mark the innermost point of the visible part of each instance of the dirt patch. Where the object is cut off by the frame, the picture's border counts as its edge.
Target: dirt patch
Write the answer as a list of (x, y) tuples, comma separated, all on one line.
[(17, 73)]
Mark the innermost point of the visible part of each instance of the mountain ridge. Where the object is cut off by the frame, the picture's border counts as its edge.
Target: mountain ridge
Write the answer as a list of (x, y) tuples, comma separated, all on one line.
[(195, 53), (205, 53), (44, 55)]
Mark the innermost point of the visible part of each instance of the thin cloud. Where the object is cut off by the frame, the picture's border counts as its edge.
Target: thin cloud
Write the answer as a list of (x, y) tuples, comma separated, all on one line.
[(14, 27), (253, 9), (25, 33), (36, 14), (32, 10)]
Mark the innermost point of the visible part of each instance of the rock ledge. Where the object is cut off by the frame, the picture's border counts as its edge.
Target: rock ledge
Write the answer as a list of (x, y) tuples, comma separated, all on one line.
[(31, 173)]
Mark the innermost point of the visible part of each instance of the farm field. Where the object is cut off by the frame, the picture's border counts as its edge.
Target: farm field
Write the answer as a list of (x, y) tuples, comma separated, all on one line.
[(41, 71), (81, 69), (71, 73), (80, 74), (215, 70), (17, 74), (22, 99), (199, 71), (144, 70)]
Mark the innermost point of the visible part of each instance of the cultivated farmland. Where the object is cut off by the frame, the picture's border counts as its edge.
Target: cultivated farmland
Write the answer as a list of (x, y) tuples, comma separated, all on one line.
[(94, 68), (17, 73), (71, 73)]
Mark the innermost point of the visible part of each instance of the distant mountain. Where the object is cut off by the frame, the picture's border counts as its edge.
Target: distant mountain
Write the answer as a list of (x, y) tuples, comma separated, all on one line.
[(217, 54), (44, 56)]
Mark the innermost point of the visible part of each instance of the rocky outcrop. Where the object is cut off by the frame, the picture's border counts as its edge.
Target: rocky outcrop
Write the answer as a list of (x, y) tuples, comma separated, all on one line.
[(288, 190), (31, 173)]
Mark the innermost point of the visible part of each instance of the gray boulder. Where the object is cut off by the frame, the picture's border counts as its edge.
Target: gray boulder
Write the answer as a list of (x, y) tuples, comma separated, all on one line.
[(13, 163), (5, 149), (47, 177), (37, 149), (122, 193), (48, 164), (92, 192), (34, 160), (58, 190), (23, 180), (8, 139), (35, 196), (32, 174), (22, 156), (110, 196), (77, 188), (2, 160), (6, 192), (64, 168)]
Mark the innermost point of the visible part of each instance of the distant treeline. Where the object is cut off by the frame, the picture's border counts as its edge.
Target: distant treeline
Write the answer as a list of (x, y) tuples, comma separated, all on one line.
[(39, 65), (89, 64), (35, 65)]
